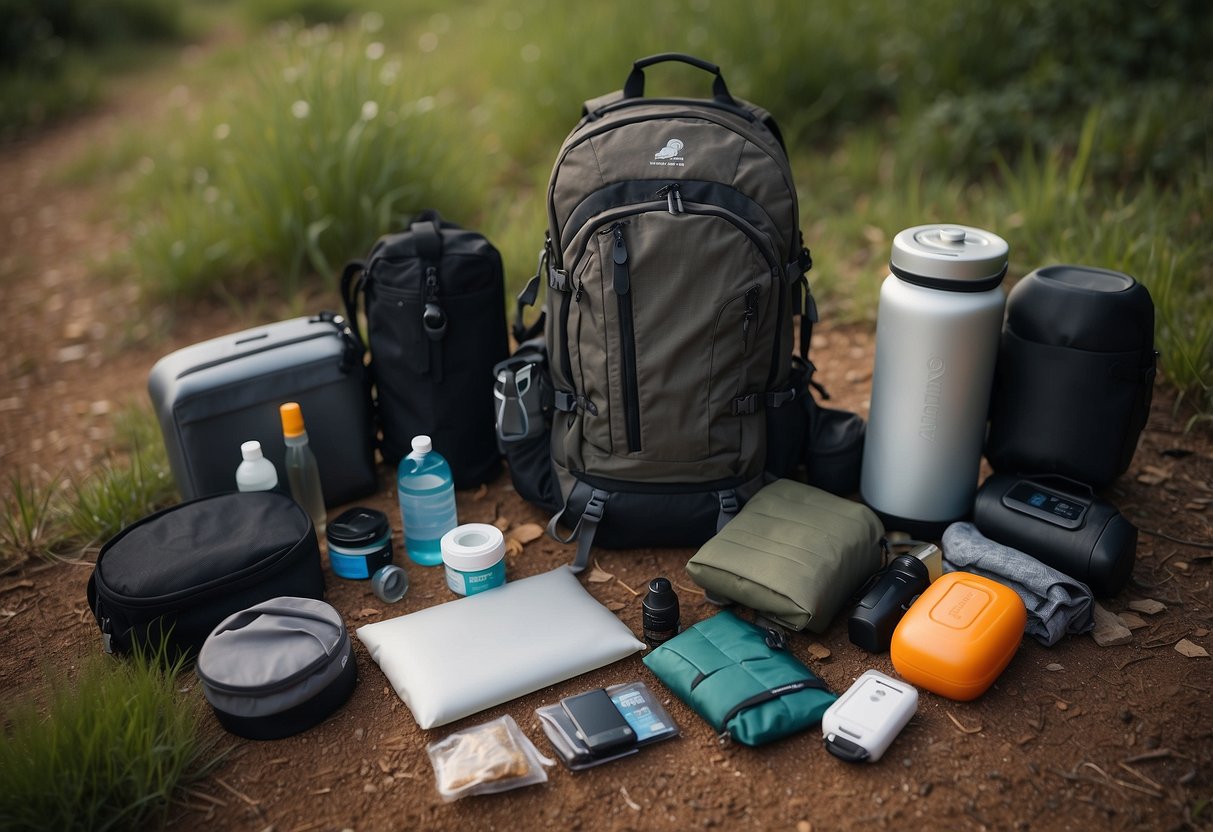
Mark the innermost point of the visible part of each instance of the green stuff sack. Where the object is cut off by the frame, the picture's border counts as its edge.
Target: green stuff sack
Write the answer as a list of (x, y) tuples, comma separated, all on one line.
[(794, 553), (741, 679)]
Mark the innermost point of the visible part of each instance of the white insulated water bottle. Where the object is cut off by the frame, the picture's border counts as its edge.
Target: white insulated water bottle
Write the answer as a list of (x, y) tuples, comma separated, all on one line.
[(937, 333)]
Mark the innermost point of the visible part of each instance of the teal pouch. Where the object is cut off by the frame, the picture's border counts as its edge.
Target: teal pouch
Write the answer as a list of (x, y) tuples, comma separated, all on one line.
[(741, 679)]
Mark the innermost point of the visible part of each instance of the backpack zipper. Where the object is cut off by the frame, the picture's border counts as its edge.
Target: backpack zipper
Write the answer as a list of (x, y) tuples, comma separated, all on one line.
[(622, 284), (673, 195), (751, 309)]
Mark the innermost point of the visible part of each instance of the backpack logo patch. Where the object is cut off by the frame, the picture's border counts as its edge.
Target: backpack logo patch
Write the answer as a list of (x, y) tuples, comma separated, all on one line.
[(671, 154)]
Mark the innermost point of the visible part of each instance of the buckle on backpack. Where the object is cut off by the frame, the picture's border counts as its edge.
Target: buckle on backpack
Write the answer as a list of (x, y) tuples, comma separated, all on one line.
[(558, 280), (745, 405), (780, 398), (595, 507)]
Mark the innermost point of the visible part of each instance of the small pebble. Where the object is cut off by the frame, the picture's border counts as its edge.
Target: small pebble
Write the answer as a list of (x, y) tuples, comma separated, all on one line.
[(1054, 667)]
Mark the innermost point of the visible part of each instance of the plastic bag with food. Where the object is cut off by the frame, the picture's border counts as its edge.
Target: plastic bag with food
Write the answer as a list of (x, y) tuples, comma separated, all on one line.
[(484, 759)]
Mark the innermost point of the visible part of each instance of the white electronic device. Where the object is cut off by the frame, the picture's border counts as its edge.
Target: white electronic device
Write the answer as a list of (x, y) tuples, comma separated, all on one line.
[(864, 721)]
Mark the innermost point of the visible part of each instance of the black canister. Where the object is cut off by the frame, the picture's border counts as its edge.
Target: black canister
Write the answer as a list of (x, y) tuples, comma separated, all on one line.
[(1075, 375), (359, 542), (660, 612)]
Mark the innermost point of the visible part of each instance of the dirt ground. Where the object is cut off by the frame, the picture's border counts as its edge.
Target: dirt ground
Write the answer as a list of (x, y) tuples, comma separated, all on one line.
[(1072, 737)]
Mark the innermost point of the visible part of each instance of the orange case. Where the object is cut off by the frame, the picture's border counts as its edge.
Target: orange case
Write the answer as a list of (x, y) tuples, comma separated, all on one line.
[(959, 635)]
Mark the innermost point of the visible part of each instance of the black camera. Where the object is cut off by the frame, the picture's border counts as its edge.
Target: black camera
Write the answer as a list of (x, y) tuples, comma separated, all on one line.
[(1061, 523), (876, 615)]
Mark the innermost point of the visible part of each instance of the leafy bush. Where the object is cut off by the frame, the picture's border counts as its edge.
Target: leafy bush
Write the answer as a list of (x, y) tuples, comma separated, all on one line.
[(48, 50)]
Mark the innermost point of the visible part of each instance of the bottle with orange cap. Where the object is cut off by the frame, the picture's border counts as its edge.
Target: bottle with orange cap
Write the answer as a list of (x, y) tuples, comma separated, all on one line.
[(301, 470)]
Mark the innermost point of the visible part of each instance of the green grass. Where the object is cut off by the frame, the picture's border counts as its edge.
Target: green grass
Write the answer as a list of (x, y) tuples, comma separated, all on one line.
[(42, 520), (130, 483), (332, 143), (28, 526), (1091, 149), (108, 751)]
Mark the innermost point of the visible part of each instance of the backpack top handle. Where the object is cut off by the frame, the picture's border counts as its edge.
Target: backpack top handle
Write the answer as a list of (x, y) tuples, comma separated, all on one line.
[(634, 87)]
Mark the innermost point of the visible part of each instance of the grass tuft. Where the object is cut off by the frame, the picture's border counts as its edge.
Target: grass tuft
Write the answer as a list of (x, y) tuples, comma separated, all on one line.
[(28, 527), (108, 752)]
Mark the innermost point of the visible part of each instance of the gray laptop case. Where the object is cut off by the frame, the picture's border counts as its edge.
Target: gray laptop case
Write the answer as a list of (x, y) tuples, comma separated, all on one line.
[(212, 396)]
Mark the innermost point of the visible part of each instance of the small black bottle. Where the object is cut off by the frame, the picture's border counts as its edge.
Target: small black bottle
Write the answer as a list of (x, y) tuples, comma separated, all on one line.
[(660, 612)]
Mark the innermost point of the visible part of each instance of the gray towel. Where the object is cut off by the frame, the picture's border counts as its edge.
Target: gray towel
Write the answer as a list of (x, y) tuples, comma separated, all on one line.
[(1057, 604)]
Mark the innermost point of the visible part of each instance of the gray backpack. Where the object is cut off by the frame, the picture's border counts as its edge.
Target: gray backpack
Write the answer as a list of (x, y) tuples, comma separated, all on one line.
[(675, 267)]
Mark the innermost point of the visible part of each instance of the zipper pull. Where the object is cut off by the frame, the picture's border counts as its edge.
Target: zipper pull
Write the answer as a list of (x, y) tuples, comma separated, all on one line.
[(751, 309), (580, 291), (107, 636), (622, 279), (673, 197)]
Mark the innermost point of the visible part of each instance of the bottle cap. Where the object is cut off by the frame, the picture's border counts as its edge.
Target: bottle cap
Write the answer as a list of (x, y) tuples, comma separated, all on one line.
[(390, 583), (954, 258), (422, 444), (292, 419), (251, 450)]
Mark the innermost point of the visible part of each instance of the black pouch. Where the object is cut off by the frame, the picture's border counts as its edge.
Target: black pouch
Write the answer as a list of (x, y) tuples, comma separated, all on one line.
[(179, 572), (435, 310), (1075, 375), (833, 448)]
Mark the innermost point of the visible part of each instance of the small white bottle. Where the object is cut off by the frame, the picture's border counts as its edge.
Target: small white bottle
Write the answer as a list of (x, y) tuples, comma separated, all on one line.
[(256, 473)]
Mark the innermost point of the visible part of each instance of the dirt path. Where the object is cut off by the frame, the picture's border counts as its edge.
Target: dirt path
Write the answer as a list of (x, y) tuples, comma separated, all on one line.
[(1072, 737)]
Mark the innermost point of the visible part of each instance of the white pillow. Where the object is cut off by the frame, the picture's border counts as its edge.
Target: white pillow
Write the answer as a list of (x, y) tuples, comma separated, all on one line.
[(458, 658)]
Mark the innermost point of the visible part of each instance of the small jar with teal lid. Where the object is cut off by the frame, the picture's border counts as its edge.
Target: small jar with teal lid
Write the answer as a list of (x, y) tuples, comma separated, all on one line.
[(474, 556), (359, 542)]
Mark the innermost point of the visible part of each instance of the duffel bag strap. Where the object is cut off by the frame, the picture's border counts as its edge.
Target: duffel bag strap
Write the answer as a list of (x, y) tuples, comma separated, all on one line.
[(353, 282), (586, 526), (530, 295)]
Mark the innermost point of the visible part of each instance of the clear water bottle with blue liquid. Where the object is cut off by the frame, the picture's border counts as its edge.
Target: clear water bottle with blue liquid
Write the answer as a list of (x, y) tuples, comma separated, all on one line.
[(427, 501)]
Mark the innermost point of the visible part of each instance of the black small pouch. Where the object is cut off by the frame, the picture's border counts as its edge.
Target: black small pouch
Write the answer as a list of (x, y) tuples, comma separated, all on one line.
[(179, 572), (435, 309), (833, 448)]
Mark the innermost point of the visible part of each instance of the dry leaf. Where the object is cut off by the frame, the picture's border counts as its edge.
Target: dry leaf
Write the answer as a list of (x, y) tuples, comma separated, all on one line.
[(1110, 630), (1200, 632), (819, 651), (512, 547), (615, 606), (598, 576), (1147, 605), (527, 532), (481, 491), (1153, 475), (368, 612), (1191, 650), (502, 523)]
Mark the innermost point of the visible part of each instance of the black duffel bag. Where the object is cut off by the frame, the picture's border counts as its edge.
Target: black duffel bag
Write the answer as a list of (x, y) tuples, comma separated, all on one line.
[(435, 311), (179, 572)]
